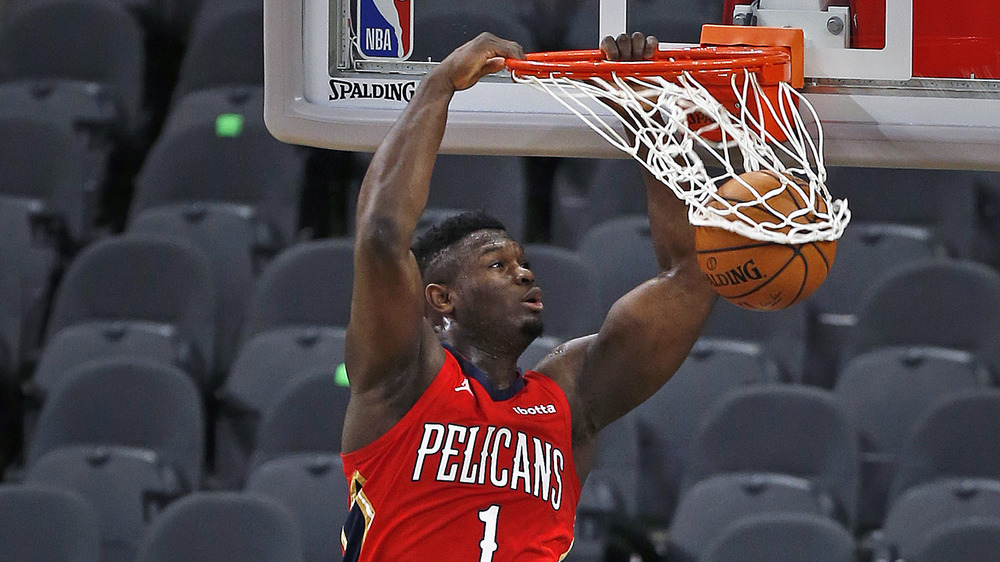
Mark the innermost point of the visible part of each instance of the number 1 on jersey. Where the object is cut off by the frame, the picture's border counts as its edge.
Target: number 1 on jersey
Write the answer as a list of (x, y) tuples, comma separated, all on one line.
[(488, 545)]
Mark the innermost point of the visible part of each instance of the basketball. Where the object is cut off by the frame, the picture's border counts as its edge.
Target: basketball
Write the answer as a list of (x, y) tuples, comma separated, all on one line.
[(762, 275)]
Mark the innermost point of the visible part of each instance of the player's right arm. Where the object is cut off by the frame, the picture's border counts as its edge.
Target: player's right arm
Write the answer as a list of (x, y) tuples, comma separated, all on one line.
[(392, 353)]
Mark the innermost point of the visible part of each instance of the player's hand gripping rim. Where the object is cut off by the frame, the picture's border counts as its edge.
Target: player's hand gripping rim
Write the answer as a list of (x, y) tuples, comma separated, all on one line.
[(481, 56)]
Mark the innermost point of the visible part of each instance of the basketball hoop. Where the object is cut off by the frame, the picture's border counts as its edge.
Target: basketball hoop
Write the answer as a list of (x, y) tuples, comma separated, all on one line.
[(697, 110)]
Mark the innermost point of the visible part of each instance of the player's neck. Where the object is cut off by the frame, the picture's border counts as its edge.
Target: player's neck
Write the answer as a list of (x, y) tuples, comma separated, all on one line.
[(499, 365)]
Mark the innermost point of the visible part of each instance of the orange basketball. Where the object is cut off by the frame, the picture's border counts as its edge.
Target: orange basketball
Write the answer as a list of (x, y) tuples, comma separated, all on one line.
[(762, 275)]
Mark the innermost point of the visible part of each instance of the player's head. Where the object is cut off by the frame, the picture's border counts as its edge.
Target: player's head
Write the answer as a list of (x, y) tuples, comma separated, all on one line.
[(475, 276)]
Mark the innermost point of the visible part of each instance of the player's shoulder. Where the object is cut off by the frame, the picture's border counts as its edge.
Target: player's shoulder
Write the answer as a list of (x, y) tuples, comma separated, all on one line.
[(565, 362)]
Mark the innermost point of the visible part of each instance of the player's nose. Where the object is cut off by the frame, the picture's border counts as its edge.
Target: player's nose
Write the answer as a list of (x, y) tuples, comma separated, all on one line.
[(524, 276)]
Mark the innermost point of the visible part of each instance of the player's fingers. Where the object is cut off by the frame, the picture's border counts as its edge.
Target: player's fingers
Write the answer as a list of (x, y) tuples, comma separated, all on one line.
[(610, 48), (624, 47), (501, 47), (650, 48), (638, 46), (495, 64)]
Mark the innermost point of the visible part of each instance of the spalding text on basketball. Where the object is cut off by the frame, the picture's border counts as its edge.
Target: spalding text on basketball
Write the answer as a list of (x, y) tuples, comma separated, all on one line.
[(394, 91), (735, 276)]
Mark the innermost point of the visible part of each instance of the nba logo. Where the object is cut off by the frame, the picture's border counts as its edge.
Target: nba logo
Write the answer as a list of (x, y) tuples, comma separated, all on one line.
[(385, 29)]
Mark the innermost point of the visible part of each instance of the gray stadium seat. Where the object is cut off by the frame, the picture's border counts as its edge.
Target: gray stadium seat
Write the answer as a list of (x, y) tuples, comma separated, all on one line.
[(127, 487), (942, 200), (90, 41), (587, 192), (952, 439), (569, 287), (783, 537), (213, 526), (951, 304), (99, 341), (885, 392), (495, 184), (711, 505), (920, 510), (969, 540), (864, 252), (622, 252), (225, 47), (308, 417), (309, 284), (46, 524), (126, 403), (783, 429), (267, 364), (667, 421), (314, 489), (214, 147), (144, 280), (230, 237), (780, 333), (57, 187), (32, 260)]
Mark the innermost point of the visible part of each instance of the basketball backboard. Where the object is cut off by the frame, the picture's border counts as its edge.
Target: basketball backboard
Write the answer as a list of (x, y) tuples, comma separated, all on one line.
[(895, 82)]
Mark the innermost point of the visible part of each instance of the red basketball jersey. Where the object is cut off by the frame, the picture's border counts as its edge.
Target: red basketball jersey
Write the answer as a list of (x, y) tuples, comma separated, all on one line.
[(467, 474)]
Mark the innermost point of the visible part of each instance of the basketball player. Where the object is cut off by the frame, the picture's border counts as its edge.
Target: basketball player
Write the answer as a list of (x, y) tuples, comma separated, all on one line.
[(451, 452)]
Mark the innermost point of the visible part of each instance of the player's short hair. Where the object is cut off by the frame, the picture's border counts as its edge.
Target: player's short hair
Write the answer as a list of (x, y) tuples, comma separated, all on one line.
[(449, 231)]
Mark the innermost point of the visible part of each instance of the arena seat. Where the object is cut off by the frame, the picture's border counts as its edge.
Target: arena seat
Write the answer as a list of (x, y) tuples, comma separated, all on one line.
[(913, 516), (47, 524), (309, 284), (231, 237), (266, 364), (460, 182), (211, 526), (622, 252), (885, 391), (144, 280), (95, 341), (667, 421), (782, 429), (941, 444), (708, 507), (88, 41), (225, 47), (126, 486), (126, 403), (969, 540), (588, 192), (943, 303), (308, 417), (313, 488), (215, 148), (537, 351), (864, 252), (773, 537), (779, 333)]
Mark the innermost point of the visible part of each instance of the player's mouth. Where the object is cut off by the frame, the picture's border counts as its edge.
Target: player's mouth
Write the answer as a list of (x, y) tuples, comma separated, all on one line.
[(533, 300)]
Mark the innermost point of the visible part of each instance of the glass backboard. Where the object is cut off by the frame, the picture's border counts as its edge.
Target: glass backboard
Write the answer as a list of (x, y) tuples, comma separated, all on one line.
[(885, 76)]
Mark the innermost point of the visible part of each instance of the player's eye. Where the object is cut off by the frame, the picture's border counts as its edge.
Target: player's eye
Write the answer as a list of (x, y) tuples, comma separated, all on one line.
[(497, 264)]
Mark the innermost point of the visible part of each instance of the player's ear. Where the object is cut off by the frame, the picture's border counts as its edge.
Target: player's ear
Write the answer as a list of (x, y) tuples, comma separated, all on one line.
[(439, 298)]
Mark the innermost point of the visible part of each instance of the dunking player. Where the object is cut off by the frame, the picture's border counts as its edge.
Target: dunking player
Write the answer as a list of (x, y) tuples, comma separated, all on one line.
[(451, 452)]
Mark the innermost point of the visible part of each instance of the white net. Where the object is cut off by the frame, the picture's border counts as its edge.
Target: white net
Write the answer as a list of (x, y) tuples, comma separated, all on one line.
[(694, 155)]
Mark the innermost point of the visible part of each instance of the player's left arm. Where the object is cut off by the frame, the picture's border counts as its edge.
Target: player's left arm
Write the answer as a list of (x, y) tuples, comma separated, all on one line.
[(648, 333)]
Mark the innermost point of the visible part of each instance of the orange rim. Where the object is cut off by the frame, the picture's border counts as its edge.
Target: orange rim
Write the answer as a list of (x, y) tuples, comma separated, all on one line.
[(584, 64)]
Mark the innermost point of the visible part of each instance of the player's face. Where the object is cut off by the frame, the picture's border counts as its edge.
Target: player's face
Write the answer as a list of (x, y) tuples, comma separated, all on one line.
[(496, 290)]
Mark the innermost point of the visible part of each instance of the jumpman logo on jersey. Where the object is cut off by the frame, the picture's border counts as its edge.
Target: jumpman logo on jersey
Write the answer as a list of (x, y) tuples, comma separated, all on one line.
[(464, 386)]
